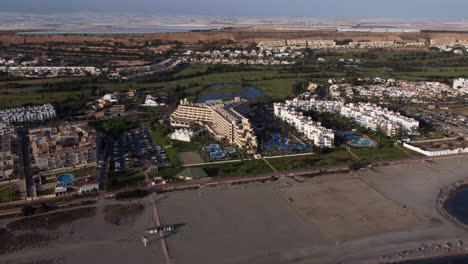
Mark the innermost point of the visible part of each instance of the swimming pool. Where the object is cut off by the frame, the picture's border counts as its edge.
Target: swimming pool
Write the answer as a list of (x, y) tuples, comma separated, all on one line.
[(278, 142), (217, 152), (65, 178), (358, 141)]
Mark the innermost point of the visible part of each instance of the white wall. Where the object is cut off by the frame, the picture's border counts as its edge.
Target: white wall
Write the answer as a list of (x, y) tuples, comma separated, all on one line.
[(436, 153)]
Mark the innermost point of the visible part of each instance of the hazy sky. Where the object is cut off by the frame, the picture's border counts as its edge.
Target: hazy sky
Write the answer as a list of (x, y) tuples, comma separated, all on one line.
[(307, 8)]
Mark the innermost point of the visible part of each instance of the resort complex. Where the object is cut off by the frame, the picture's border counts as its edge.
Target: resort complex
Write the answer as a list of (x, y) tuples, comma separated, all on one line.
[(367, 115), (321, 136), (224, 119), (8, 156), (27, 114), (65, 147), (381, 119)]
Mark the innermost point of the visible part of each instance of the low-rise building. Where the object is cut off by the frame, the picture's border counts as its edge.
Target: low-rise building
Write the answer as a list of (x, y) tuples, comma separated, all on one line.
[(90, 186)]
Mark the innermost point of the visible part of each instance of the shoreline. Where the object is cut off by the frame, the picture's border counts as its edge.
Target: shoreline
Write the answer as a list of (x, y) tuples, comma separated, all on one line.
[(445, 193)]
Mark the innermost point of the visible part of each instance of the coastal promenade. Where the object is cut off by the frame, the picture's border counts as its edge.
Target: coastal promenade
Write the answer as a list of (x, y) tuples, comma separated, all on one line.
[(13, 207)]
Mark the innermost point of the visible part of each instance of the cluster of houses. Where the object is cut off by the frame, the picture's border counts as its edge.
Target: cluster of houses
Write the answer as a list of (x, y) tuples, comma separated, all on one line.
[(367, 115), (253, 57), (321, 136), (331, 44), (50, 71), (397, 89), (450, 45), (138, 72), (27, 114)]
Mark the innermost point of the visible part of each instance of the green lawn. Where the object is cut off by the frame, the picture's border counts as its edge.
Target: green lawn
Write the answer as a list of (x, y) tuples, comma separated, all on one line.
[(172, 156), (126, 180), (46, 192), (159, 136), (182, 146), (375, 154), (335, 158), (236, 168), (9, 192), (168, 173)]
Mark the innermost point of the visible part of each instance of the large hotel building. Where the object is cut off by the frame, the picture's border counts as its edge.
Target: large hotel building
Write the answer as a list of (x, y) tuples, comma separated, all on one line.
[(224, 119)]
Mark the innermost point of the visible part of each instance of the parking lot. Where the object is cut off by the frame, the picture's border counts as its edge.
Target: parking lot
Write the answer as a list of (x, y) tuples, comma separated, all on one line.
[(135, 151)]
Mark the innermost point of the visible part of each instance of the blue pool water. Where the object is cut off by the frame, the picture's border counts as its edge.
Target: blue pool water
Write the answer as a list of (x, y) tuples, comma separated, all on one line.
[(278, 142), (356, 140), (250, 93), (65, 178), (359, 141), (217, 152)]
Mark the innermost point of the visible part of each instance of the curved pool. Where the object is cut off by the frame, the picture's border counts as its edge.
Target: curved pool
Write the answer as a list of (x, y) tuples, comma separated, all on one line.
[(65, 178)]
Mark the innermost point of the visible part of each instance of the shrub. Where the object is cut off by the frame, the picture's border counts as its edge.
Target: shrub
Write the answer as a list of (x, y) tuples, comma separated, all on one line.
[(131, 194)]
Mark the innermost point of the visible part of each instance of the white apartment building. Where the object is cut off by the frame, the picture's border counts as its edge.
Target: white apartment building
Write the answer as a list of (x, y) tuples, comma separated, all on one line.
[(367, 115), (27, 114), (381, 119), (314, 131)]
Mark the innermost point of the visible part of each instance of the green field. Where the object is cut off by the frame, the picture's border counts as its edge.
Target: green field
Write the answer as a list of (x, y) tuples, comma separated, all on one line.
[(172, 156), (9, 192), (159, 135), (275, 81), (236, 168), (380, 153), (126, 180), (182, 146), (49, 191), (335, 158)]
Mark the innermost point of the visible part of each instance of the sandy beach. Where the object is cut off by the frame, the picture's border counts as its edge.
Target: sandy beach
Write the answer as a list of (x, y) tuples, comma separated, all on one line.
[(356, 217)]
